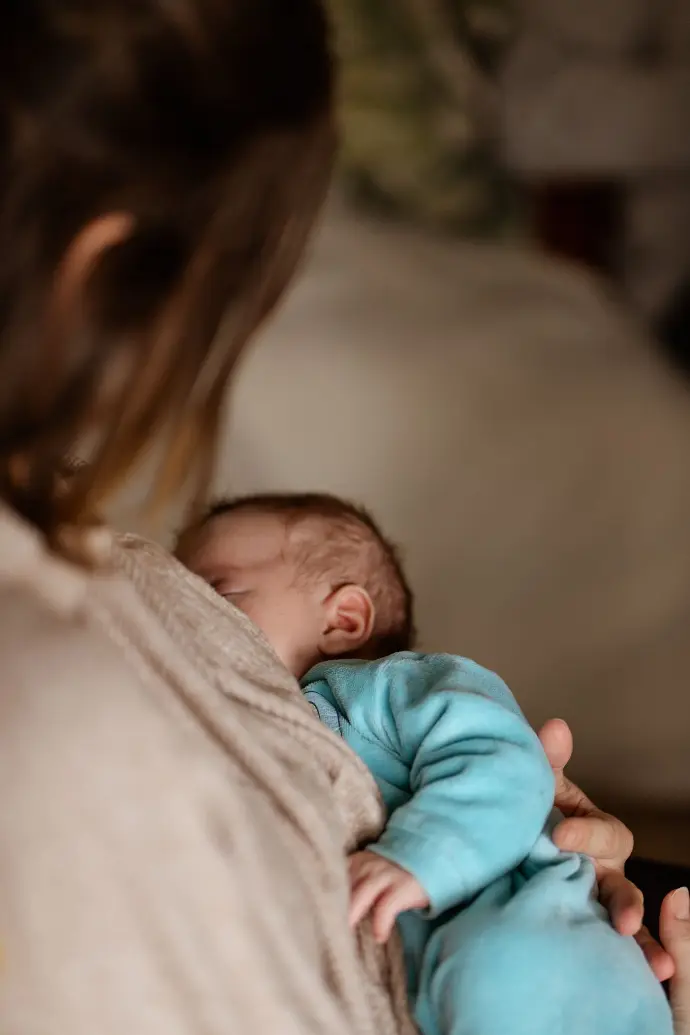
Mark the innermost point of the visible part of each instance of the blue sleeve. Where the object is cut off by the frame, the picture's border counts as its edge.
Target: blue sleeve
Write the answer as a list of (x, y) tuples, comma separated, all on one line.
[(482, 788)]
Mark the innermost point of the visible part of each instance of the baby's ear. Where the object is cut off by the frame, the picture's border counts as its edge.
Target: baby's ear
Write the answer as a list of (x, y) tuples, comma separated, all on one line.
[(349, 616)]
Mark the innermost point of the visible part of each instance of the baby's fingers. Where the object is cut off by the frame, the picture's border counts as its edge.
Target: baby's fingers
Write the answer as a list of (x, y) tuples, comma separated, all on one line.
[(364, 895), (386, 912), (396, 900)]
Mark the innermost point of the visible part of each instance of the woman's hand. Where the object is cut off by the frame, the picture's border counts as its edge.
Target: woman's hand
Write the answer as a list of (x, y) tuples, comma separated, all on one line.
[(607, 841), (674, 925)]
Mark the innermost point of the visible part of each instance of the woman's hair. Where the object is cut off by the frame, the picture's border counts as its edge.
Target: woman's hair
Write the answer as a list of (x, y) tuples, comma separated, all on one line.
[(208, 123)]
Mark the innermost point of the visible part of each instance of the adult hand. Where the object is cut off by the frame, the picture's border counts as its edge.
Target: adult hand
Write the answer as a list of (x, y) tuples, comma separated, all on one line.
[(607, 841), (674, 925)]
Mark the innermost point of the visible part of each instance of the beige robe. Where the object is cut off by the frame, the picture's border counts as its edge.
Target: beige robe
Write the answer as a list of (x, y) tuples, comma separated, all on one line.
[(173, 820)]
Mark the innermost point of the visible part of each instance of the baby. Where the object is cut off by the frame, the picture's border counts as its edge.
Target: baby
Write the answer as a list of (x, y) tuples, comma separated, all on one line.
[(501, 931)]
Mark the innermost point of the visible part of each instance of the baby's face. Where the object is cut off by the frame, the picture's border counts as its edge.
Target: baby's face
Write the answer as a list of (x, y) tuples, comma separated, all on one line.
[(245, 558)]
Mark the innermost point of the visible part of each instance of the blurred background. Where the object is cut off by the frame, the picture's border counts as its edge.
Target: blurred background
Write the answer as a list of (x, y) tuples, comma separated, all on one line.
[(490, 348)]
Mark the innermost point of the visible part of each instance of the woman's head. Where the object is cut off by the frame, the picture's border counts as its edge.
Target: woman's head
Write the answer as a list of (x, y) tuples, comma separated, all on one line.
[(161, 164)]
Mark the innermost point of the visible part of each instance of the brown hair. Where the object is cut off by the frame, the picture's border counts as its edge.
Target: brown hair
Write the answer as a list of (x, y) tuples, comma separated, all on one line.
[(347, 545), (209, 122)]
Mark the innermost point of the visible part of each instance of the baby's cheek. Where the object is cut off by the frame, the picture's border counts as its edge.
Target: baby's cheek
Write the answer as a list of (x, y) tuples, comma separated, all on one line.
[(262, 617)]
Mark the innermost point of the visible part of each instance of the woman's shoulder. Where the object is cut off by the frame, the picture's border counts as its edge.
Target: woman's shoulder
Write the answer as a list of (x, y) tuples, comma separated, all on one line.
[(42, 601), (142, 632), (88, 658), (218, 638), (67, 688), (44, 644), (46, 636)]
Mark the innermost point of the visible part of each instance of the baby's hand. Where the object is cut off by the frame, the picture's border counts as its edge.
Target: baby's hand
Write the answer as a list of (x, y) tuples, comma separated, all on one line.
[(383, 889)]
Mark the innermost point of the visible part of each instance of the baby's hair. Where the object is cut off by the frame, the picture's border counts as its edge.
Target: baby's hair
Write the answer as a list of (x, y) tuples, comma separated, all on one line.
[(333, 537)]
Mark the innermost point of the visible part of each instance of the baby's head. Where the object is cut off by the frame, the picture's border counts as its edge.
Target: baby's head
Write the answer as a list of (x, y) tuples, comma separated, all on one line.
[(313, 572)]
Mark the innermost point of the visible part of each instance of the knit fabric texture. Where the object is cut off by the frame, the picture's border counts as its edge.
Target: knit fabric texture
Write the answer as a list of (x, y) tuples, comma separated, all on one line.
[(174, 817)]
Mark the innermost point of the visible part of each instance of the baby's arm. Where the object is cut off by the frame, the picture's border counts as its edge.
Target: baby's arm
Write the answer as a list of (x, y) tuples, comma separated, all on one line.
[(481, 785)]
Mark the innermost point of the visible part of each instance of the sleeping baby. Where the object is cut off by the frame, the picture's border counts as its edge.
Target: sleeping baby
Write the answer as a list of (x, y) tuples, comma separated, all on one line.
[(501, 931)]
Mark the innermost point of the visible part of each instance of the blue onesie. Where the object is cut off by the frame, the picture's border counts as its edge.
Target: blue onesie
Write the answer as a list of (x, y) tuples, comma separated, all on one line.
[(515, 942)]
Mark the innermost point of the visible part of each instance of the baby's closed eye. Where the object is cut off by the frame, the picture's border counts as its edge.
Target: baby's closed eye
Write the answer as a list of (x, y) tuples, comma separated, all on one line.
[(228, 590)]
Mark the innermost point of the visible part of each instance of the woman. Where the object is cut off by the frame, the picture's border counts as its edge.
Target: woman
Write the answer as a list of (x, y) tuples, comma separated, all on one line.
[(173, 823)]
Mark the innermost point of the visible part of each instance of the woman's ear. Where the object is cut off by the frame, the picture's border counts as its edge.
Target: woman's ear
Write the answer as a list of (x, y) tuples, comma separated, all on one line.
[(349, 622), (84, 254), (65, 309)]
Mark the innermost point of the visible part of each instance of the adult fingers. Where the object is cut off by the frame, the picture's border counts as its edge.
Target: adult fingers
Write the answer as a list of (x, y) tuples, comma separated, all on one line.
[(660, 961), (674, 927), (557, 741), (603, 837), (624, 902)]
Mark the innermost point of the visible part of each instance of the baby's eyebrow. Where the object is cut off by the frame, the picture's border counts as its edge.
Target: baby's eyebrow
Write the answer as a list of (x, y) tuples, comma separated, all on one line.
[(222, 571)]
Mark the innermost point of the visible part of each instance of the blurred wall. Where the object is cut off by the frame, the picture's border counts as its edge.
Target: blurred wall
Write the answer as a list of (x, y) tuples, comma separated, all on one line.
[(455, 112), (514, 431), (598, 90)]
